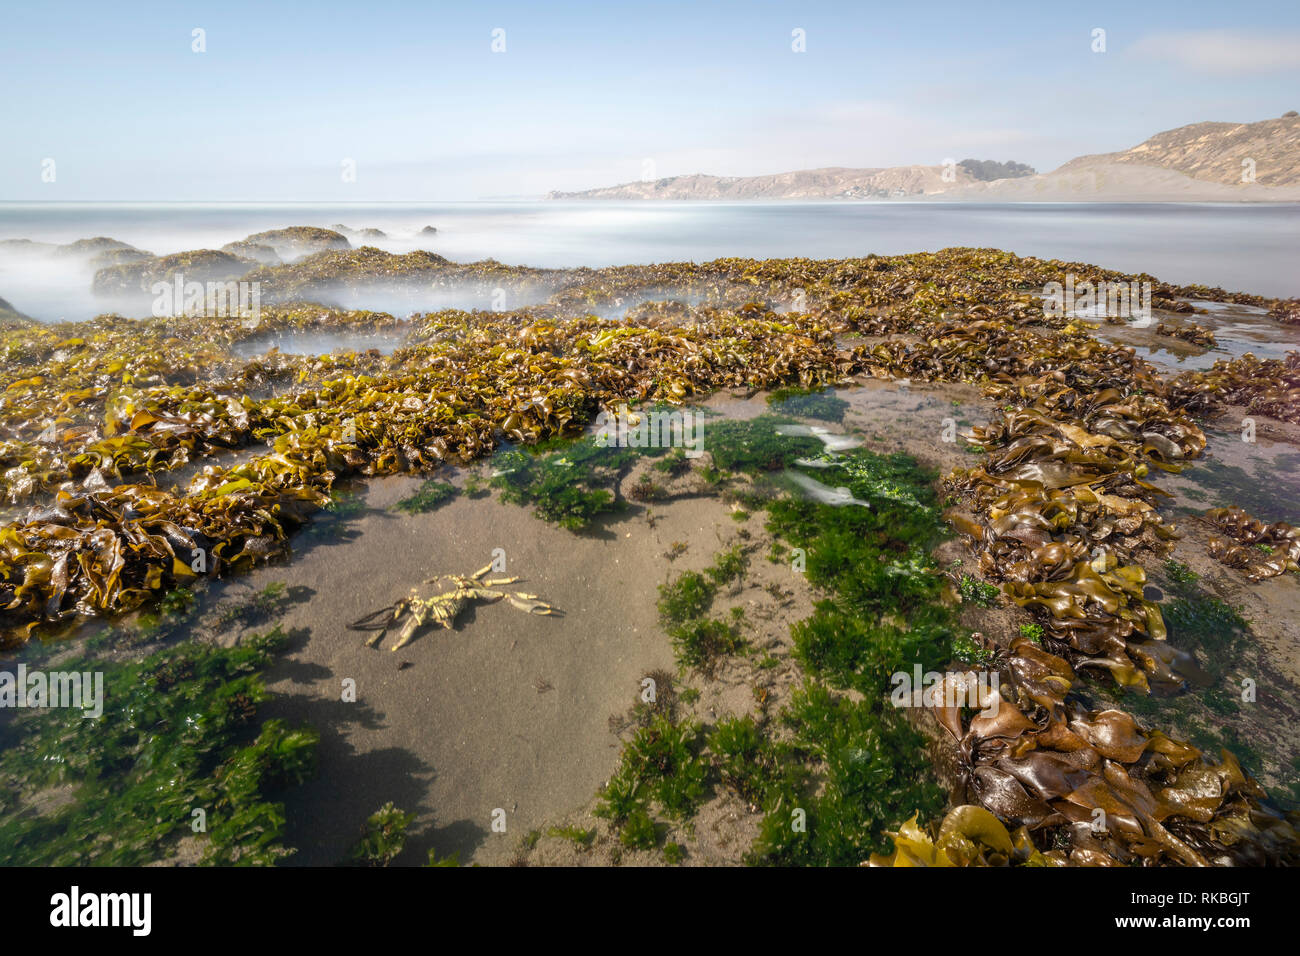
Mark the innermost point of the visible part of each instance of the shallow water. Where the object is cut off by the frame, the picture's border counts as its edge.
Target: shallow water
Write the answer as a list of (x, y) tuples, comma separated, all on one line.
[(1262, 476), (1245, 332), (1238, 329), (319, 343)]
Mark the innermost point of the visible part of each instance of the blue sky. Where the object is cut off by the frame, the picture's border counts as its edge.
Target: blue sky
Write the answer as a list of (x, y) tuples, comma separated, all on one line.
[(585, 94)]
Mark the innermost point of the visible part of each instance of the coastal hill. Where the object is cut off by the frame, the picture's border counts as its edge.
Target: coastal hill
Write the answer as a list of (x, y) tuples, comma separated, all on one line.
[(832, 182), (1201, 162), (1214, 152)]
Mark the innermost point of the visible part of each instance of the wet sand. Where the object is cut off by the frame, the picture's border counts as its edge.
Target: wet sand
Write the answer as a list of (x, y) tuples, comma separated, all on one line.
[(508, 711)]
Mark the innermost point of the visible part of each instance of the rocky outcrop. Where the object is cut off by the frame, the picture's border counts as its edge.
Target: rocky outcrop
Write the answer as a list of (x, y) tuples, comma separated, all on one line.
[(298, 241), (89, 248), (368, 233), (25, 247), (202, 265), (352, 267), (117, 257), (259, 253), (11, 317), (99, 251)]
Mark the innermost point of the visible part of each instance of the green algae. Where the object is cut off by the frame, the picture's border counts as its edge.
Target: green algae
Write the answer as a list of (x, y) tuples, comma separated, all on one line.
[(873, 565), (661, 767), (430, 496), (638, 831), (1201, 622), (979, 593), (821, 404), (860, 757), (179, 734), (262, 606), (729, 566), (699, 641), (846, 770), (674, 853), (572, 486), (383, 836), (749, 763), (872, 776), (755, 447), (1033, 631), (969, 651), (688, 597), (580, 837)]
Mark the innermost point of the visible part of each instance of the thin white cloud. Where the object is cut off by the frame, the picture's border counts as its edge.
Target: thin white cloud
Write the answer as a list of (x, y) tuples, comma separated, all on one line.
[(1223, 52)]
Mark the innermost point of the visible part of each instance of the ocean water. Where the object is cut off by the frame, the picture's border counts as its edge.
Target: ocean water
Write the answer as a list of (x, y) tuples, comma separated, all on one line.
[(1241, 247)]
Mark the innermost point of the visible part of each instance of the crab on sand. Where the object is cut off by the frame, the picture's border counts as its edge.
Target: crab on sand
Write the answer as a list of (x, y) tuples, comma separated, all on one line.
[(443, 609)]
